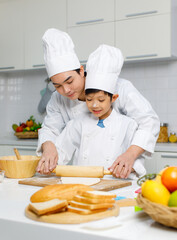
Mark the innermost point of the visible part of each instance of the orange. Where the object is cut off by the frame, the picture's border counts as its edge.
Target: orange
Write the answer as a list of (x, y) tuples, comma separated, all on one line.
[(169, 178), (155, 192)]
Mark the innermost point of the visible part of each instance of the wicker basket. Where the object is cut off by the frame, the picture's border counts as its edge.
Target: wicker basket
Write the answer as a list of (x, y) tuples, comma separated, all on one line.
[(160, 213), (26, 134)]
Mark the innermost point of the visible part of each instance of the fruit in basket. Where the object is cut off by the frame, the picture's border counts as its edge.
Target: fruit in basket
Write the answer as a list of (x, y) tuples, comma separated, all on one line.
[(30, 121), (173, 199), (29, 126), (155, 192), (19, 129), (169, 178)]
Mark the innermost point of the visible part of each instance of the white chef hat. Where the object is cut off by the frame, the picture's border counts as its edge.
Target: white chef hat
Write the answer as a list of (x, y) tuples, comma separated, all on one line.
[(59, 54), (103, 68)]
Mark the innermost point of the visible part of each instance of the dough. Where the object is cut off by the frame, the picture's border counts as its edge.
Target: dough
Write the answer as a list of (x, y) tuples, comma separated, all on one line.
[(80, 180)]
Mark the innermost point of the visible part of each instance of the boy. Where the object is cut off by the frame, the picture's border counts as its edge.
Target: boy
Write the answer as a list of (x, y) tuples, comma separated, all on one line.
[(98, 137)]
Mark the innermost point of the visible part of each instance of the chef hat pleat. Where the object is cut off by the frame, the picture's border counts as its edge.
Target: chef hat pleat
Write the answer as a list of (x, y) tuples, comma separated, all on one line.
[(103, 68), (59, 54)]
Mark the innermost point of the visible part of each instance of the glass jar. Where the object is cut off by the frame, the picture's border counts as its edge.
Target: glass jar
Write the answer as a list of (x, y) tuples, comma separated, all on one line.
[(163, 135), (172, 138)]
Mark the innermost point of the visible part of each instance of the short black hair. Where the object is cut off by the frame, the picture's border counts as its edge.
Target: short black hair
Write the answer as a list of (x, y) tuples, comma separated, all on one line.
[(91, 90), (78, 71)]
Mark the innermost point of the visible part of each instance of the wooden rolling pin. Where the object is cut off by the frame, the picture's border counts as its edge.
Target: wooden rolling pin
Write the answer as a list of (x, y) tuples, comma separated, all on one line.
[(81, 171)]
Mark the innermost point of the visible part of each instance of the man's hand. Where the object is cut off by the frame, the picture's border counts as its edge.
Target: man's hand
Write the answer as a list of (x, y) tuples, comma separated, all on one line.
[(123, 165), (49, 159)]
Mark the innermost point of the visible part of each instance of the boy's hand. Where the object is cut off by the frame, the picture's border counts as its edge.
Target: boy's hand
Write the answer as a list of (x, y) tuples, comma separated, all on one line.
[(49, 159), (123, 165)]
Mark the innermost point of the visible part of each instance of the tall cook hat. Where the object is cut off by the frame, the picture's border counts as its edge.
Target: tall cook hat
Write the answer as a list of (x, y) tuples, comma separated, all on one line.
[(103, 68), (59, 54)]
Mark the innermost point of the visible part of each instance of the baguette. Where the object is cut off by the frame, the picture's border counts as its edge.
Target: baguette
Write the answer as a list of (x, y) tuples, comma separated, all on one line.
[(98, 194), (48, 207), (91, 206), (82, 199), (82, 210), (60, 191)]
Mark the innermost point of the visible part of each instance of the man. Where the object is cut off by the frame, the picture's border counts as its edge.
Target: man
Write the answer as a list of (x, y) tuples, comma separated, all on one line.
[(68, 102)]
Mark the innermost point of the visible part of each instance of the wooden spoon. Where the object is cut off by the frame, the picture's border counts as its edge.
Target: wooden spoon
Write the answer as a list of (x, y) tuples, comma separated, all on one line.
[(17, 154)]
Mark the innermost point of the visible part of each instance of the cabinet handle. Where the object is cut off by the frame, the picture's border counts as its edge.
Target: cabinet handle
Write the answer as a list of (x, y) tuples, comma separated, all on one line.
[(141, 56), (26, 148), (39, 65), (4, 68), (140, 14), (169, 156), (91, 21)]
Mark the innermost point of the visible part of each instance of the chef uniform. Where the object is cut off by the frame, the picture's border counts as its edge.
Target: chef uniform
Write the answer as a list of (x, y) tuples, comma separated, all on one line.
[(59, 56), (99, 143)]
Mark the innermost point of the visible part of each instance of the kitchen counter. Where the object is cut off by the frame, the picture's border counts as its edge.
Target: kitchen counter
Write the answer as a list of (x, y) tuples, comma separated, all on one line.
[(14, 198), (10, 139)]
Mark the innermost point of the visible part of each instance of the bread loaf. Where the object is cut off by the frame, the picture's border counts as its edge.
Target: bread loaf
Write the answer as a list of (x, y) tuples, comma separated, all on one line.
[(48, 207), (60, 191)]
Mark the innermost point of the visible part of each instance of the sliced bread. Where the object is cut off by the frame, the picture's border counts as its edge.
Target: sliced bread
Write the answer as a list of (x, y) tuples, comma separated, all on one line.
[(82, 210), (82, 199), (48, 207), (91, 206), (98, 194)]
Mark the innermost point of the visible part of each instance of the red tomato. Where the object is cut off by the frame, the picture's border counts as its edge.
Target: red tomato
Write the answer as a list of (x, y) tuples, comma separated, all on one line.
[(19, 129), (169, 178)]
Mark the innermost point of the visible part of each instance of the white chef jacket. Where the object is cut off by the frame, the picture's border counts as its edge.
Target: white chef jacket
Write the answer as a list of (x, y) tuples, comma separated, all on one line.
[(96, 146), (60, 110)]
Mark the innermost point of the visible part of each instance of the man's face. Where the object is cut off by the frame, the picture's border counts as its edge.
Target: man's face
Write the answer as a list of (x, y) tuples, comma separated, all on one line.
[(99, 104), (70, 84)]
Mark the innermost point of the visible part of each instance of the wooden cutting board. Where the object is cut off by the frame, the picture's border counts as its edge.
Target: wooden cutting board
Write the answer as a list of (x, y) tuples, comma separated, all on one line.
[(103, 185), (72, 218)]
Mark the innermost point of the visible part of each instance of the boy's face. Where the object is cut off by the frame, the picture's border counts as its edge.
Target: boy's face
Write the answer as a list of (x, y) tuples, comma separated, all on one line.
[(70, 84), (99, 104)]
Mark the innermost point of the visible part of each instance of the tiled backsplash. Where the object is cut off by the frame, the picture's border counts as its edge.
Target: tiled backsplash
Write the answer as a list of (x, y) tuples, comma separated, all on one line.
[(157, 81)]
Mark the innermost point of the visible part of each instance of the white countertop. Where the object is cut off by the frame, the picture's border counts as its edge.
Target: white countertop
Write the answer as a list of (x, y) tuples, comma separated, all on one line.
[(14, 198)]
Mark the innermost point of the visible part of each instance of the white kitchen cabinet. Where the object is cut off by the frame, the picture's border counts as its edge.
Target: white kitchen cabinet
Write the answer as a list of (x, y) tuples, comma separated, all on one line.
[(148, 37), (88, 38), (22, 25), (83, 12), (7, 150), (39, 16), (146, 29), (126, 9), (11, 35), (159, 160)]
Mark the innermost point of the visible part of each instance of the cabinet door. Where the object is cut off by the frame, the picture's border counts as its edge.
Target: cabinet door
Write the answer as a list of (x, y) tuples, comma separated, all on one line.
[(11, 35), (139, 8), (93, 11), (88, 38), (166, 158), (39, 16), (144, 38)]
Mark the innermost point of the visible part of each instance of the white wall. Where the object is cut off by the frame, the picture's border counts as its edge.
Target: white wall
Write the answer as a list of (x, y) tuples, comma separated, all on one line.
[(157, 81)]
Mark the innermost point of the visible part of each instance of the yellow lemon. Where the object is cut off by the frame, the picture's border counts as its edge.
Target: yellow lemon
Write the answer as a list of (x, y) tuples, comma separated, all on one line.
[(173, 199), (158, 177), (155, 192)]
